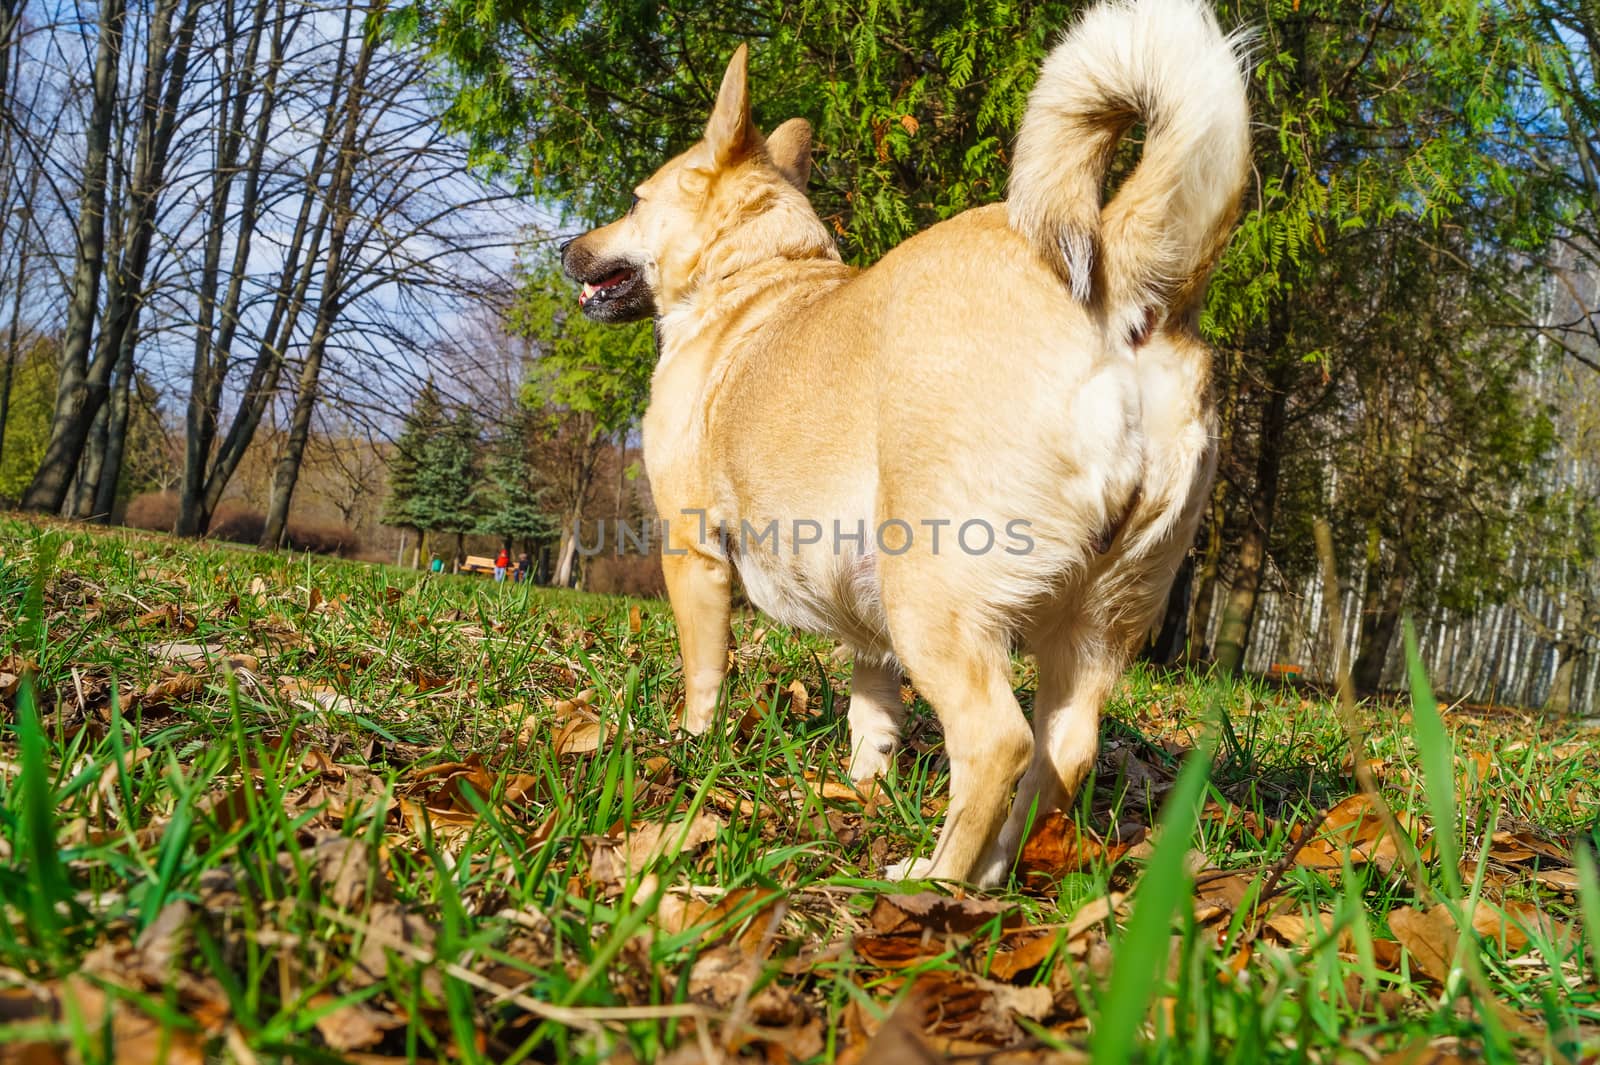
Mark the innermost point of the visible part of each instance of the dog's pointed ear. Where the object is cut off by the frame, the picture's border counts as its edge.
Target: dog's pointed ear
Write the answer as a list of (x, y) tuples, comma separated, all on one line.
[(730, 133), (789, 147)]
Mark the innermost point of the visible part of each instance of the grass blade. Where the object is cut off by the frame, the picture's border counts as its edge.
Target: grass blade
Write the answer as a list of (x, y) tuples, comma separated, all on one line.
[(1438, 765), (1141, 953), (47, 885)]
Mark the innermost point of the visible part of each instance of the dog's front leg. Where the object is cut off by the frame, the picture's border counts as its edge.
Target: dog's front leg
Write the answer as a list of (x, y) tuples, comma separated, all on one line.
[(699, 589)]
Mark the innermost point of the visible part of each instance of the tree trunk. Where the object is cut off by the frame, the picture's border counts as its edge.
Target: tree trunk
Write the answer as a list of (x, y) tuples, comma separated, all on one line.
[(165, 72), (287, 474), (294, 283), (75, 402), (569, 547), (116, 438), (1568, 642), (1379, 627), (87, 484), (1214, 532), (1171, 640), (1233, 636), (622, 471), (1559, 701), (340, 196), (218, 324)]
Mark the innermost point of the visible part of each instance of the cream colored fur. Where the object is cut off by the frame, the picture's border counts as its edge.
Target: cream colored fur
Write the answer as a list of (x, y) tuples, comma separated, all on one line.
[(1035, 363)]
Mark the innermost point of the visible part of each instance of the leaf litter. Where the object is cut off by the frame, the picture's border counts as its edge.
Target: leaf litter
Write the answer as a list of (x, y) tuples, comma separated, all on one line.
[(375, 858)]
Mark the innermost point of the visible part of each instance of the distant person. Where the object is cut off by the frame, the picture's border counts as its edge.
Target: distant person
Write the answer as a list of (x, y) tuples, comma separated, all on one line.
[(437, 565), (502, 562), (524, 568)]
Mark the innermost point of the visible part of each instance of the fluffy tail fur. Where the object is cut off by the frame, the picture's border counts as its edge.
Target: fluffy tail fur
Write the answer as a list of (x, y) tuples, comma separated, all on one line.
[(1148, 252)]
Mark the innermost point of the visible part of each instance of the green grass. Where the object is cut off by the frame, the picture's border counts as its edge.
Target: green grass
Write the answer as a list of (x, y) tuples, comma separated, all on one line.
[(230, 829)]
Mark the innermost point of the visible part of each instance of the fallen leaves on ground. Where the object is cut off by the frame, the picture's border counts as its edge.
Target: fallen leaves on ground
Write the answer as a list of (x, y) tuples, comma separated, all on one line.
[(1355, 828), (410, 765)]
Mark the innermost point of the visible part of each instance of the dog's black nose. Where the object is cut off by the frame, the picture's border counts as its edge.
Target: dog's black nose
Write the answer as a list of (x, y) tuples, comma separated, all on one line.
[(565, 245)]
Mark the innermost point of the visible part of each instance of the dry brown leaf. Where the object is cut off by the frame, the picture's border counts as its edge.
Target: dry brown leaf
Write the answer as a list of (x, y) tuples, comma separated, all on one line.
[(616, 858), (353, 1025), (676, 913), (387, 927), (898, 1041), (578, 706), (1299, 930), (1022, 951), (799, 699), (1355, 825), (909, 929), (1057, 846), (1558, 879), (927, 911), (173, 689), (1514, 848), (1421, 1053), (1220, 896), (177, 652), (162, 615), (635, 619), (1430, 937), (344, 870), (579, 737), (962, 1006), (138, 1037)]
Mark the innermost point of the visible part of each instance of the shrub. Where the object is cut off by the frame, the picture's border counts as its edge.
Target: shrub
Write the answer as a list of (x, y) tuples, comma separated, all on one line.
[(152, 511), (635, 575), (237, 523), (324, 538)]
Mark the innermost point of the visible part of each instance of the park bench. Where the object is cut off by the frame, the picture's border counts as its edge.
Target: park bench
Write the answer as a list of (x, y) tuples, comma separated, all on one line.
[(477, 564)]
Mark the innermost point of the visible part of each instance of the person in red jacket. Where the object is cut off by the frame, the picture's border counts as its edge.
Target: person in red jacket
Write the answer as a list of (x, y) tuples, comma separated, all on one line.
[(502, 562)]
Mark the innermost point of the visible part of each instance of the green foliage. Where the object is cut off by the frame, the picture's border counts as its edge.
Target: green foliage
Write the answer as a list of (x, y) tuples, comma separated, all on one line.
[(423, 424), (1375, 112), (512, 503), (914, 105), (435, 470), (447, 499), (33, 395)]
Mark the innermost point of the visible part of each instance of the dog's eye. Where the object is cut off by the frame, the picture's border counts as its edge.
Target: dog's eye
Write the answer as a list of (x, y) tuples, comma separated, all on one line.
[(634, 204)]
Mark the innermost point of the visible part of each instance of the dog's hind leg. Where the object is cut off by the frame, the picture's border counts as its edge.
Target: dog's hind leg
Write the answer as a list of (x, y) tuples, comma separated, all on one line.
[(876, 716), (965, 673), (1073, 688)]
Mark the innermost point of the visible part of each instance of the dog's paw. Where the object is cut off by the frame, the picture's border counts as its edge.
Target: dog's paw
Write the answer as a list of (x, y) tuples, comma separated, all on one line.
[(697, 721), (870, 757), (991, 873), (910, 869)]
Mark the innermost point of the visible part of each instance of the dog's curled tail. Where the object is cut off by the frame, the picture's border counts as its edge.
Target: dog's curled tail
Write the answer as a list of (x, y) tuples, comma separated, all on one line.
[(1164, 63)]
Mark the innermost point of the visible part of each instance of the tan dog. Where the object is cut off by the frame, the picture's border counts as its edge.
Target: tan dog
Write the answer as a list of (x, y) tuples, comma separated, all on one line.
[(1000, 435)]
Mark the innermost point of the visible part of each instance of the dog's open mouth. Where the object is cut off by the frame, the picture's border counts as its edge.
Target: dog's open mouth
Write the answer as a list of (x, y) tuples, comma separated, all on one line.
[(608, 287), (613, 288)]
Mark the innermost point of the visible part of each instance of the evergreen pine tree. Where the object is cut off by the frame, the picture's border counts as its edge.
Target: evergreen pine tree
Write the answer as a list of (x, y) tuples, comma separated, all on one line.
[(513, 505), (448, 490), (423, 424)]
